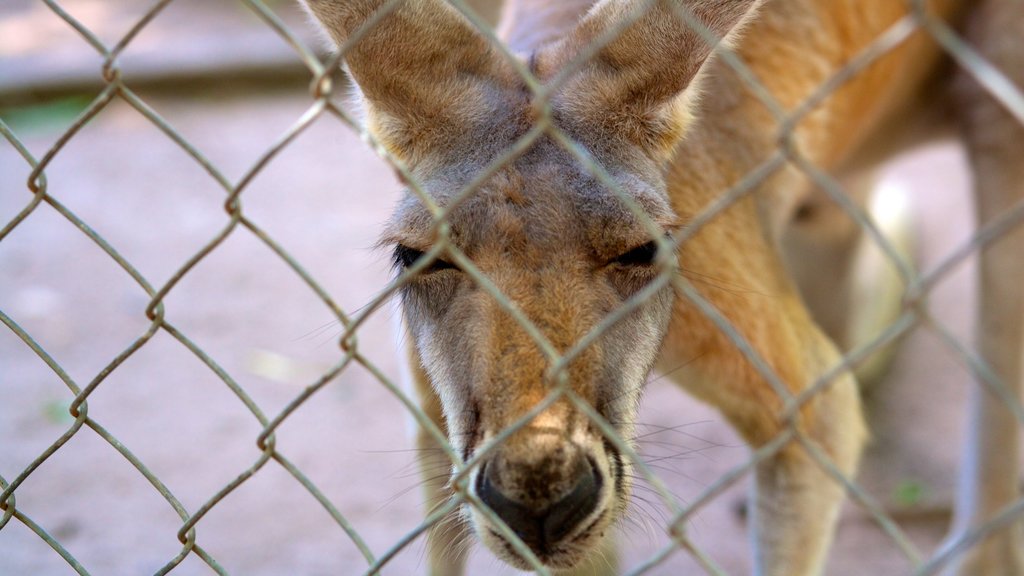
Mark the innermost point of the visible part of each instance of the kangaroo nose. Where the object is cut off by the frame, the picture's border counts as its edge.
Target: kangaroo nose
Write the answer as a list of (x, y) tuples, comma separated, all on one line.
[(540, 528)]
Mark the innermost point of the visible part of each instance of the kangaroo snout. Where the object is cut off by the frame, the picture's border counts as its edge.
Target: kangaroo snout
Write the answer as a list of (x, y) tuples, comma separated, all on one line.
[(543, 498)]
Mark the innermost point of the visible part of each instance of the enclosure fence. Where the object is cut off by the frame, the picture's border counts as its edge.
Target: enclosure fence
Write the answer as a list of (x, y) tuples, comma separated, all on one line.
[(325, 79)]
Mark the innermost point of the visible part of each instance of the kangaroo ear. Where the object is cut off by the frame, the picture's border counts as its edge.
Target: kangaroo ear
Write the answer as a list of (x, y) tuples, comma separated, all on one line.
[(426, 75), (636, 86)]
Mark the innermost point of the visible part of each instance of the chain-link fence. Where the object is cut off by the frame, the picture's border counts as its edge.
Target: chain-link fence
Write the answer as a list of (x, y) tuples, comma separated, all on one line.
[(353, 353)]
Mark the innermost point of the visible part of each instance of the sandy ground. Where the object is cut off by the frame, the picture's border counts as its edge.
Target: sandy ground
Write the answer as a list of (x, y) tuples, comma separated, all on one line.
[(323, 199)]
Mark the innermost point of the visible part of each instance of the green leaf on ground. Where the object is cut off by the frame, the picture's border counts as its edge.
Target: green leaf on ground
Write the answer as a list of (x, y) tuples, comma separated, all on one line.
[(909, 493), (56, 412)]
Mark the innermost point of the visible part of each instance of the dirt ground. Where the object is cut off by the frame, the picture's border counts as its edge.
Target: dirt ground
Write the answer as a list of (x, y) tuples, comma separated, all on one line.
[(323, 200)]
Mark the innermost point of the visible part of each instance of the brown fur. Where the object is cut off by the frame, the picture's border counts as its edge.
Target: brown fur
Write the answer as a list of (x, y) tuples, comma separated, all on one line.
[(673, 129)]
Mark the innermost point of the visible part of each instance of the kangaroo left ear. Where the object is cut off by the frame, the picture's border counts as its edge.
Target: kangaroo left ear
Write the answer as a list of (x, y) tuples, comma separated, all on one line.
[(636, 86), (426, 76)]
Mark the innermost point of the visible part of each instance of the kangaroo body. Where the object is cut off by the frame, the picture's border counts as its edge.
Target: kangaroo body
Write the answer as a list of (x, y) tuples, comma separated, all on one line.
[(675, 128)]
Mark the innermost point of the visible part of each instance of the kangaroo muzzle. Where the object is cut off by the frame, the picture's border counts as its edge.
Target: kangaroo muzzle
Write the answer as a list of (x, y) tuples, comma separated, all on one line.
[(543, 496), (544, 500)]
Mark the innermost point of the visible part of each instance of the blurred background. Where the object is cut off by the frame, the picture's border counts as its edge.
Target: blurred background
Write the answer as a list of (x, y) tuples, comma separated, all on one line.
[(231, 86)]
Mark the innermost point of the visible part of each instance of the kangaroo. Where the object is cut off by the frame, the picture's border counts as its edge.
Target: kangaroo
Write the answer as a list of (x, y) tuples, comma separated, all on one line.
[(642, 90)]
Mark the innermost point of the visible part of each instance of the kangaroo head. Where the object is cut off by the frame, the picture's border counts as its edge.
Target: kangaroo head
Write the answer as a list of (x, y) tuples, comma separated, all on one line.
[(544, 231)]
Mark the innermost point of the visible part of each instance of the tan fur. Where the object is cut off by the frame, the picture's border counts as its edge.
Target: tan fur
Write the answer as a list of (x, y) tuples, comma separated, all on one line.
[(674, 129)]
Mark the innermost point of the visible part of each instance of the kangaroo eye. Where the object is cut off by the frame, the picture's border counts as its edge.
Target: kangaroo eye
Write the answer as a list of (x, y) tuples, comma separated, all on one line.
[(404, 257), (640, 256)]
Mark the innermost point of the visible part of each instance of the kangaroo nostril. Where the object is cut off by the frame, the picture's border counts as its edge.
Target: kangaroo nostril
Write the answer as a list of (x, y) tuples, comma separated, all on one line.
[(567, 513), (539, 528), (526, 523)]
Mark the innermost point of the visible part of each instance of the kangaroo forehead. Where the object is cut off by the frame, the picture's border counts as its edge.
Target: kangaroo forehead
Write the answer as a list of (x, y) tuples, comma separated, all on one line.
[(544, 207)]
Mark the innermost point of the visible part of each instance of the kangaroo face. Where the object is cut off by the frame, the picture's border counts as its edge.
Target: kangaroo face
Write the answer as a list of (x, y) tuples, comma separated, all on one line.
[(567, 253), (559, 246)]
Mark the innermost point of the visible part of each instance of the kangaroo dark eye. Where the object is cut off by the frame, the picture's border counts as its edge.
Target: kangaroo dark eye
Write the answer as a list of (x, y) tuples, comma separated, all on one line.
[(404, 257), (640, 256)]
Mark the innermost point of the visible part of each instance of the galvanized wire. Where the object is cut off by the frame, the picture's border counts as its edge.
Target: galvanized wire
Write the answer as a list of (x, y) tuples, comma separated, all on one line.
[(324, 81)]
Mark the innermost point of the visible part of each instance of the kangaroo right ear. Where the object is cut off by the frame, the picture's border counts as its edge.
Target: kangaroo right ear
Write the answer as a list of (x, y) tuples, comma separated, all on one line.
[(634, 87), (425, 73)]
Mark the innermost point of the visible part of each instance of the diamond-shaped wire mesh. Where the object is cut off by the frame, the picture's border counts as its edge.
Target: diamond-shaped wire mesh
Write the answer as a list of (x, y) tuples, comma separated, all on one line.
[(263, 418)]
